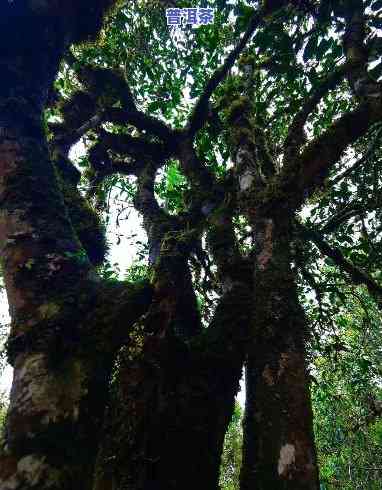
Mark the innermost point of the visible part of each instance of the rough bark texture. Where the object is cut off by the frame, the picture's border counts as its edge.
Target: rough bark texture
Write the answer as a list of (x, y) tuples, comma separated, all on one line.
[(42, 275), (279, 450), (174, 392), (170, 419), (52, 421)]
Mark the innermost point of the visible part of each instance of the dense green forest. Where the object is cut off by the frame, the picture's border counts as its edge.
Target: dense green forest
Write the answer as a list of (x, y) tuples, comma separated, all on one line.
[(236, 166)]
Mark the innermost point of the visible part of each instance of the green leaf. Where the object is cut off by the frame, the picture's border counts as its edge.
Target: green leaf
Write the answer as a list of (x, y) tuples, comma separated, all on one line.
[(244, 13), (310, 49), (322, 47)]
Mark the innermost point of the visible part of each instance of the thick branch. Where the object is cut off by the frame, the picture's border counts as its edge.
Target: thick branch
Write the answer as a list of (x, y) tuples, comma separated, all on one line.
[(101, 81), (309, 171), (119, 306), (197, 173), (141, 121), (105, 163), (225, 339), (136, 147), (155, 219), (350, 211), (232, 268), (361, 83), (92, 123)]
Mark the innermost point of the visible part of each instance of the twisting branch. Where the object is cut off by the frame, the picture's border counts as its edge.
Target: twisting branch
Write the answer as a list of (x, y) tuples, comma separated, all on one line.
[(175, 306), (356, 275), (350, 211), (232, 267), (296, 137), (103, 166), (136, 147), (141, 121), (115, 115), (101, 81), (200, 113), (93, 123), (121, 154), (155, 220), (311, 168), (138, 119), (193, 168)]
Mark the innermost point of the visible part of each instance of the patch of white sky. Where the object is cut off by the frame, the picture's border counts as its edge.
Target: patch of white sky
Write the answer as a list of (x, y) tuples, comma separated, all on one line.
[(6, 373)]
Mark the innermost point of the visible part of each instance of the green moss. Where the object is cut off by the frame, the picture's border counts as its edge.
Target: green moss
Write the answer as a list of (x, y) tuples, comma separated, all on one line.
[(237, 108), (137, 338), (72, 377), (29, 264), (86, 223), (242, 135), (48, 310), (248, 60)]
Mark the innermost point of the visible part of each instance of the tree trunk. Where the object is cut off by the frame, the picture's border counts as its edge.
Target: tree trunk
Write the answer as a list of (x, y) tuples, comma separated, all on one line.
[(53, 413), (169, 422), (172, 401), (279, 451), (49, 286)]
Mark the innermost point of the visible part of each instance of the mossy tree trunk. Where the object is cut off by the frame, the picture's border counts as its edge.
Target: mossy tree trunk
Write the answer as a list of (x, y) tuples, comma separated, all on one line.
[(174, 393), (51, 432), (61, 343), (169, 416), (44, 277), (67, 326), (279, 450)]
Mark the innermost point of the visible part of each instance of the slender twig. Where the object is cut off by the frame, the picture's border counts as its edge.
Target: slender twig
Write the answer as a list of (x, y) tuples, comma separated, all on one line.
[(356, 275), (361, 161), (295, 137)]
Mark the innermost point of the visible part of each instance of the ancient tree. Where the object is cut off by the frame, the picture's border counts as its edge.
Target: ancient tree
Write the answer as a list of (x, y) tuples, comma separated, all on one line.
[(132, 384)]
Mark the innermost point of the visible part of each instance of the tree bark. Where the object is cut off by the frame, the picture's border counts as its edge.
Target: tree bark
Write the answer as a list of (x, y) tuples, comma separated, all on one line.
[(174, 396), (44, 275), (279, 451), (53, 414), (169, 420)]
